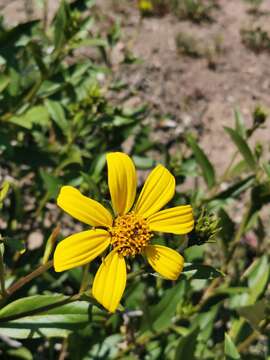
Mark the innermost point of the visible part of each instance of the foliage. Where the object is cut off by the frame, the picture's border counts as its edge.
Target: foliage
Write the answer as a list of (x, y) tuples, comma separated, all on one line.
[(194, 10), (256, 39), (59, 120)]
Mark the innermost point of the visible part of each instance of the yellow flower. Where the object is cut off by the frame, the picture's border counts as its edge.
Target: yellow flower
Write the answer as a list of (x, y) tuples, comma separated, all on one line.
[(127, 234)]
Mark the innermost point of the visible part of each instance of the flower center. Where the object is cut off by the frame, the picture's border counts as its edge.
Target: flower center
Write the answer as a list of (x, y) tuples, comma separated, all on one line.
[(130, 234)]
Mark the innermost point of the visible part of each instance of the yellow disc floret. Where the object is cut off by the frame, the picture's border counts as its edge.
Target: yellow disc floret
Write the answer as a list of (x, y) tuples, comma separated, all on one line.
[(130, 234)]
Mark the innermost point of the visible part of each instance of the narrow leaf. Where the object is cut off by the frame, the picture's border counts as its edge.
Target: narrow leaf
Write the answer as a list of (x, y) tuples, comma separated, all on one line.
[(207, 168), (57, 113), (187, 346), (230, 350), (243, 147)]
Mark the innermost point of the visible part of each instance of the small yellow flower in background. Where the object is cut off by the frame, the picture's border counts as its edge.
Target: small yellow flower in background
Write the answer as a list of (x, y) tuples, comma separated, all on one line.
[(129, 233)]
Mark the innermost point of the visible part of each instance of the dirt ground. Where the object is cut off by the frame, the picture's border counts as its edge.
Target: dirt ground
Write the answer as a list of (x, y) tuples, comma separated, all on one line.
[(191, 92)]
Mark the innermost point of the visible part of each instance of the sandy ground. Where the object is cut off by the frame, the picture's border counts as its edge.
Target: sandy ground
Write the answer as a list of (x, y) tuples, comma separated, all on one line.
[(190, 93)]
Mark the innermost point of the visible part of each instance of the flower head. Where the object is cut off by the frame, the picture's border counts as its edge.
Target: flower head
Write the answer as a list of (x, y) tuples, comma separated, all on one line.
[(127, 233)]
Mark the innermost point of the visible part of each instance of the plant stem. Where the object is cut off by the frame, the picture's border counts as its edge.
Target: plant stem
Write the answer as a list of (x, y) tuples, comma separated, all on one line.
[(240, 231), (85, 277), (248, 341), (20, 283)]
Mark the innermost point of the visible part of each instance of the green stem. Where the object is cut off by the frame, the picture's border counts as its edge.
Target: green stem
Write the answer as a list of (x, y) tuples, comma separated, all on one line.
[(133, 274), (85, 278), (248, 341), (240, 231)]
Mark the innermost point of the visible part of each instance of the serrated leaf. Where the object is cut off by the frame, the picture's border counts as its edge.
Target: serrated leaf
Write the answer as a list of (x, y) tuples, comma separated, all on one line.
[(243, 147), (207, 168)]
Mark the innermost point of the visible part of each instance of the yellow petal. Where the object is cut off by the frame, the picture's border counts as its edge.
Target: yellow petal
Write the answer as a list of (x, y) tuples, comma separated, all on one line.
[(122, 181), (83, 208), (157, 191), (79, 249), (167, 262), (176, 220), (110, 281)]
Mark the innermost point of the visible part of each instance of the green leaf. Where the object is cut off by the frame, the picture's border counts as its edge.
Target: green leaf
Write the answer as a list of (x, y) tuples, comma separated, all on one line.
[(260, 196), (256, 313), (236, 189), (29, 304), (57, 322), (92, 42), (230, 350), (243, 147), (73, 157), (57, 113), (61, 21), (11, 36), (4, 81), (207, 168), (200, 271), (159, 317), (239, 124), (4, 190), (143, 162), (227, 228), (38, 115), (20, 353), (22, 121), (51, 183), (122, 121), (98, 165), (16, 244), (258, 277), (14, 84), (187, 346)]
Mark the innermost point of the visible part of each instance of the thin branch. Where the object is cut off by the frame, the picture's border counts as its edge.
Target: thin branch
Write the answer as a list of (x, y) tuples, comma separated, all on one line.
[(26, 279)]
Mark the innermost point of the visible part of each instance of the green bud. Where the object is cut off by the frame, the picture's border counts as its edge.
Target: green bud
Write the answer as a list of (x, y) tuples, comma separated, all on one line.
[(205, 229), (259, 115)]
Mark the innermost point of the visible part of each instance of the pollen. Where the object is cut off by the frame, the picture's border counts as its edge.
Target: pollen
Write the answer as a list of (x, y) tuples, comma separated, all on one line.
[(130, 234)]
